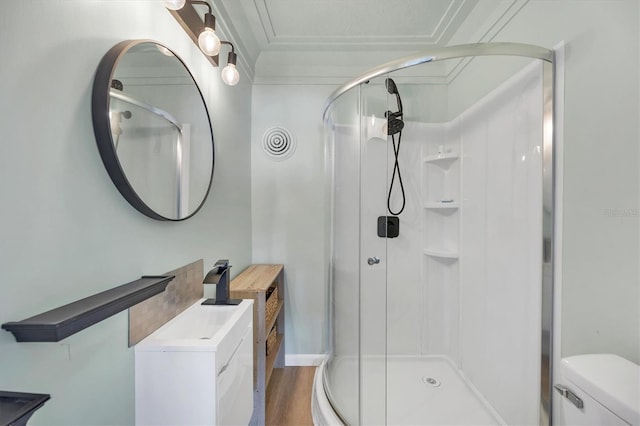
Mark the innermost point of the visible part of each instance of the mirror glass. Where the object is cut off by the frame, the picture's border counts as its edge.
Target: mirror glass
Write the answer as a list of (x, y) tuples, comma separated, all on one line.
[(153, 130)]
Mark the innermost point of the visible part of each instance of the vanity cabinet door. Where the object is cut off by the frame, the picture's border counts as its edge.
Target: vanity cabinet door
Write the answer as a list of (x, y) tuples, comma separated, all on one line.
[(235, 385)]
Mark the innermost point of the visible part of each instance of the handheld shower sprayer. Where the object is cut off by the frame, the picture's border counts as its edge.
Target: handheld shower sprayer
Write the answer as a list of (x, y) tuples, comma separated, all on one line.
[(393, 90), (394, 119), (395, 124)]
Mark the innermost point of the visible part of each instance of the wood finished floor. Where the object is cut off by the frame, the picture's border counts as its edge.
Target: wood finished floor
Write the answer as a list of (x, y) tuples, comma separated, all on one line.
[(288, 399)]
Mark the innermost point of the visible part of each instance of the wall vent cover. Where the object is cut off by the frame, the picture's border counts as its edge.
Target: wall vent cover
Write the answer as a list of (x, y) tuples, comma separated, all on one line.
[(278, 143)]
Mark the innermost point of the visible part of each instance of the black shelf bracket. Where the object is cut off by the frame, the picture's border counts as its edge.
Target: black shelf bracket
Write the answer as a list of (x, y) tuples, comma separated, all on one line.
[(56, 324), (17, 407)]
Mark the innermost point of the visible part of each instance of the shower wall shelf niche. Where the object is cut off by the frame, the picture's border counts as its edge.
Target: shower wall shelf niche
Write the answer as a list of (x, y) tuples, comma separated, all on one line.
[(441, 178), (59, 323), (443, 160), (442, 206), (441, 254)]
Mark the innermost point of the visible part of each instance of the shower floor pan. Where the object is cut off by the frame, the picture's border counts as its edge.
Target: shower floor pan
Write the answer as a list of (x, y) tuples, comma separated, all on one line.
[(421, 390)]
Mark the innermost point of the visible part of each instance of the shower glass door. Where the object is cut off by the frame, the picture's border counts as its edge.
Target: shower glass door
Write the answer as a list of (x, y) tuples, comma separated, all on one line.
[(374, 154), (355, 376), (342, 372), (441, 178)]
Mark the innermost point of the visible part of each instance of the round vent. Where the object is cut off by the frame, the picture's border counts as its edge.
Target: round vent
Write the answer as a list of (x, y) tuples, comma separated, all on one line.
[(278, 143)]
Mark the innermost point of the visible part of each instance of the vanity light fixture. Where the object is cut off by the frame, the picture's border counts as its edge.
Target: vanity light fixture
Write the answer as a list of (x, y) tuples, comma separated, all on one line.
[(208, 40), (230, 73)]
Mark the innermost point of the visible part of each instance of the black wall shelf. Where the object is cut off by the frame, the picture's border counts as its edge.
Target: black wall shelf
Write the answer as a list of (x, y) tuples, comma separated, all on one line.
[(17, 407), (56, 324)]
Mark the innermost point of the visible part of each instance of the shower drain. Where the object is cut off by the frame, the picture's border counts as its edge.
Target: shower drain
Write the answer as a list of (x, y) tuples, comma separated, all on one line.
[(431, 381)]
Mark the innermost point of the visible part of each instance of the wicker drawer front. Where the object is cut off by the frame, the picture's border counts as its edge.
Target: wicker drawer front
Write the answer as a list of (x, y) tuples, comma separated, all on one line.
[(271, 339), (271, 306)]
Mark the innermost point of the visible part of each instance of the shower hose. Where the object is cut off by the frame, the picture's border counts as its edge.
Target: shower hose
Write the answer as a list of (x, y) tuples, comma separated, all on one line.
[(396, 170)]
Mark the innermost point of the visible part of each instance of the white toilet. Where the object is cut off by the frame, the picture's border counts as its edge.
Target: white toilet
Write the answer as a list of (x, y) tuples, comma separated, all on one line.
[(597, 389)]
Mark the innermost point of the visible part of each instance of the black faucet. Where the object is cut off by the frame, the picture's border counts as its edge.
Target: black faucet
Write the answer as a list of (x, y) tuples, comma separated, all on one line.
[(219, 276)]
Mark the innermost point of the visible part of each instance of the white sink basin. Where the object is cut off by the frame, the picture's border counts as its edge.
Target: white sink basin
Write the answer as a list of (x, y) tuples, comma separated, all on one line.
[(197, 369), (198, 328)]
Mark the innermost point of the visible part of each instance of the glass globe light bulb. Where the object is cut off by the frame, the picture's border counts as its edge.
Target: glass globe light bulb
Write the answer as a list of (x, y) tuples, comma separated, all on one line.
[(209, 42), (230, 75), (174, 4)]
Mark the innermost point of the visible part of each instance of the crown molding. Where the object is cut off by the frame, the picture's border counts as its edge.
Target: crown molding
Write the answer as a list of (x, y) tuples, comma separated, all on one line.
[(246, 60)]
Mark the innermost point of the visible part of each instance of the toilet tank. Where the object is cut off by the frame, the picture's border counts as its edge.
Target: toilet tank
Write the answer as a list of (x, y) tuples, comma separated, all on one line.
[(606, 385)]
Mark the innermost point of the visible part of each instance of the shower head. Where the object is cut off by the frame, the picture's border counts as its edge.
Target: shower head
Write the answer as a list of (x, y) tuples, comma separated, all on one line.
[(126, 114), (393, 90), (391, 86), (394, 119)]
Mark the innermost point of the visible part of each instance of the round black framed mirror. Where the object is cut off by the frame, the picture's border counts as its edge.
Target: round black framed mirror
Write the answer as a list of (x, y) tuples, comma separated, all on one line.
[(153, 130)]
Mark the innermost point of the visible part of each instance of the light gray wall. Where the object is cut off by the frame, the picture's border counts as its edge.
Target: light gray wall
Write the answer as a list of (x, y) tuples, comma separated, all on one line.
[(65, 230), (601, 280), (289, 208), (600, 285)]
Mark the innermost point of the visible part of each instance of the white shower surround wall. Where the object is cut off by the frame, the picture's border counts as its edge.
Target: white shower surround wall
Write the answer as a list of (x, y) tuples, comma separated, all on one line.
[(501, 252), (481, 308)]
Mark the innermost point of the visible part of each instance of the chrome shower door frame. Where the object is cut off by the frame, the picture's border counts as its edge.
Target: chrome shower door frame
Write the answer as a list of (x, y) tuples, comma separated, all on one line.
[(549, 167)]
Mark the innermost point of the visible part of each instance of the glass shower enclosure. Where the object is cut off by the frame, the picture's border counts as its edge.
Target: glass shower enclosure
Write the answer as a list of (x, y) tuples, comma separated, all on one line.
[(440, 174)]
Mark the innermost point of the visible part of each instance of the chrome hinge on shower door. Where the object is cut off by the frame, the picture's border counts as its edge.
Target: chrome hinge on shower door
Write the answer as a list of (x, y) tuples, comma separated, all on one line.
[(568, 393)]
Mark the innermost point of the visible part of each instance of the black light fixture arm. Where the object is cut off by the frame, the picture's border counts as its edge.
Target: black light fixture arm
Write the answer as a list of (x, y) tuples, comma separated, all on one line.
[(233, 57), (209, 18), (229, 43), (203, 3)]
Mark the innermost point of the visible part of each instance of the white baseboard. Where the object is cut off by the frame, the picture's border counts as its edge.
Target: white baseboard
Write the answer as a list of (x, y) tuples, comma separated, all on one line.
[(303, 360)]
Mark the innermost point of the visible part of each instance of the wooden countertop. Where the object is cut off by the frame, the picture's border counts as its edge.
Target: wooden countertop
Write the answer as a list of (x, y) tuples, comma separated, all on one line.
[(256, 278)]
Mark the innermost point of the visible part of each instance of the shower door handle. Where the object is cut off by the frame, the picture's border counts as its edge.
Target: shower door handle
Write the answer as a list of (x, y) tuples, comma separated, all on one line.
[(373, 260)]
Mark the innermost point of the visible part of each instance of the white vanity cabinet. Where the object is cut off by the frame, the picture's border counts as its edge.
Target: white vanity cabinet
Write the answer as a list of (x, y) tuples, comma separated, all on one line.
[(197, 369)]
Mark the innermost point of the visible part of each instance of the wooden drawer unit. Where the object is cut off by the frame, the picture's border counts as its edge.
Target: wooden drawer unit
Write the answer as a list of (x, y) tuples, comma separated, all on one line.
[(264, 284)]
